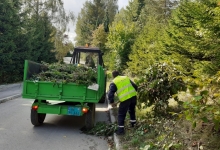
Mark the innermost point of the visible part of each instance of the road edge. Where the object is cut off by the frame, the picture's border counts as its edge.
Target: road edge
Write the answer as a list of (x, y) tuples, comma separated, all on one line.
[(9, 98)]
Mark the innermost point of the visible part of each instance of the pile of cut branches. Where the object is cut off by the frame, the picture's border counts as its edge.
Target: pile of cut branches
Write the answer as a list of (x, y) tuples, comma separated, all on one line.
[(66, 73), (102, 129)]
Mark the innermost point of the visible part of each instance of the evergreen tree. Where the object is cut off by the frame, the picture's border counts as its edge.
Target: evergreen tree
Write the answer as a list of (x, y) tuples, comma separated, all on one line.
[(106, 22), (134, 9), (146, 50), (193, 34), (9, 30), (41, 41), (120, 39), (62, 44), (150, 22), (111, 9), (122, 34), (99, 37), (149, 19), (44, 16), (93, 14)]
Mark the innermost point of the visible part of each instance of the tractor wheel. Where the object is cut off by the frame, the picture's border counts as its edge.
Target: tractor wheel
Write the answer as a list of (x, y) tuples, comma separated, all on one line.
[(90, 117)]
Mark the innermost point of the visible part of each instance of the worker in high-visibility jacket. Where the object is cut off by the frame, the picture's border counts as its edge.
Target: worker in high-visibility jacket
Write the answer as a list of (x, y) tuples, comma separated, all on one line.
[(127, 94)]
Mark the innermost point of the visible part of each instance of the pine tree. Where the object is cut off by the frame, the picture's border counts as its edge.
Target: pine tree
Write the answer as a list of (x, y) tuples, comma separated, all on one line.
[(193, 34), (122, 34), (44, 17), (119, 41), (150, 23), (99, 37), (146, 50), (9, 30), (91, 16), (42, 45)]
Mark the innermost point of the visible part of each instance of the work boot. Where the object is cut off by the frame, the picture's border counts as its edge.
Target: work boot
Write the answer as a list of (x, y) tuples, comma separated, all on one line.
[(120, 131), (132, 124)]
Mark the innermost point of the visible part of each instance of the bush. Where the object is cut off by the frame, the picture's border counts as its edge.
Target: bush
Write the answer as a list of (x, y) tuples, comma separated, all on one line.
[(160, 83)]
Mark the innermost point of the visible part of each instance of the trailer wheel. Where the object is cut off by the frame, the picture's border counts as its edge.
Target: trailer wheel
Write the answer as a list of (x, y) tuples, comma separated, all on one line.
[(37, 119), (90, 117)]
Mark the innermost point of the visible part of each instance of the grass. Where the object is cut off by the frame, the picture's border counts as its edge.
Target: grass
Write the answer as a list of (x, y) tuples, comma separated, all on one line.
[(168, 132)]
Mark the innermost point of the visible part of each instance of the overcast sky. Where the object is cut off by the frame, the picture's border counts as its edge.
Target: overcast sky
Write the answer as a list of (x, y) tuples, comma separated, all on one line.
[(76, 5)]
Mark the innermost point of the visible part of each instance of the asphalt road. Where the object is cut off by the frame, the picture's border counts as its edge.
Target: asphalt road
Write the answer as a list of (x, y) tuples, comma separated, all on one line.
[(57, 132)]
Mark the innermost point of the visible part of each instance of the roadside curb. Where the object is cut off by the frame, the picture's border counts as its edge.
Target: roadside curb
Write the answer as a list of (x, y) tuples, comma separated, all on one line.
[(113, 120), (6, 86), (9, 98)]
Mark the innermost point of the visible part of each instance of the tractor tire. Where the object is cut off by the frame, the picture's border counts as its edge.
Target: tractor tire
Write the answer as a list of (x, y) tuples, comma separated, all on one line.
[(90, 117)]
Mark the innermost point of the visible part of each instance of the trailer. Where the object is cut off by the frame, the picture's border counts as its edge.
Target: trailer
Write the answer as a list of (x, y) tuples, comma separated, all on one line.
[(65, 98)]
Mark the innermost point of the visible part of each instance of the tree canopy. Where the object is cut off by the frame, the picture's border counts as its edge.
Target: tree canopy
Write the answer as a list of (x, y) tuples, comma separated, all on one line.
[(28, 30), (193, 33), (93, 14)]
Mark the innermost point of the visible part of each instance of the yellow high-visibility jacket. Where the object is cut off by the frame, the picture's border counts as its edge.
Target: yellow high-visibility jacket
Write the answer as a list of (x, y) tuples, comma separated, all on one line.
[(125, 90)]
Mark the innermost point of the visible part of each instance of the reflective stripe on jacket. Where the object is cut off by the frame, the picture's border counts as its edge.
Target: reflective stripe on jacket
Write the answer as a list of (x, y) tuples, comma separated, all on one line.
[(125, 90)]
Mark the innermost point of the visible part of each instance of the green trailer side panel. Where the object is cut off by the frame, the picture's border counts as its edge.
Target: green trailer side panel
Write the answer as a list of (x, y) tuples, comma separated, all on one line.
[(70, 92), (66, 92)]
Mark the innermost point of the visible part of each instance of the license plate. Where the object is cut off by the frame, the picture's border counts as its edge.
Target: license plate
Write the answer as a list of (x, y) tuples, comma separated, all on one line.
[(74, 111)]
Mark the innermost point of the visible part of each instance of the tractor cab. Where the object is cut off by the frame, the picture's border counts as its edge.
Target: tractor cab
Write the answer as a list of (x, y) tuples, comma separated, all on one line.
[(87, 56)]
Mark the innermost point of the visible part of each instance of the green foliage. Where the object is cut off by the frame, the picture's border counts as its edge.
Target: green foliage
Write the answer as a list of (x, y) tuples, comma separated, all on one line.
[(160, 83), (62, 45), (66, 73), (27, 28), (140, 47), (42, 45), (37, 9), (122, 34), (99, 38), (10, 34), (146, 49), (91, 16), (204, 106), (191, 43), (110, 12), (47, 21), (192, 33), (102, 129), (120, 40), (133, 10)]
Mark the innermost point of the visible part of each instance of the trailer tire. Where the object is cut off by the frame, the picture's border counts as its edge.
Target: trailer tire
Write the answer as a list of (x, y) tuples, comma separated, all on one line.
[(37, 119), (90, 117)]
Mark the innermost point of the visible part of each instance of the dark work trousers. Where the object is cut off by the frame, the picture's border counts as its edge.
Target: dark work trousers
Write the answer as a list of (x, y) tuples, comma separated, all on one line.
[(124, 107)]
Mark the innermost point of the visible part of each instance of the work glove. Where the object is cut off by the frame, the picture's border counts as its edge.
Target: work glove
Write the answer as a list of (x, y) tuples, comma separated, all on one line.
[(114, 104)]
